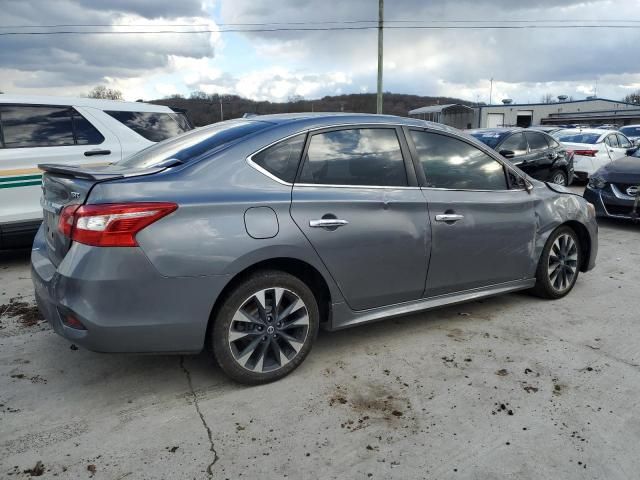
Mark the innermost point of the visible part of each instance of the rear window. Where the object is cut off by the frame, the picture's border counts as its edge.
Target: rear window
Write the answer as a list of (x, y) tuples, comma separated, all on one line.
[(578, 137), (193, 144), (490, 138), (155, 127), (631, 131)]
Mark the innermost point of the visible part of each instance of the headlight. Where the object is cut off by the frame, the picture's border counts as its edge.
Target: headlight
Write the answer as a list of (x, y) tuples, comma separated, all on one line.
[(597, 182)]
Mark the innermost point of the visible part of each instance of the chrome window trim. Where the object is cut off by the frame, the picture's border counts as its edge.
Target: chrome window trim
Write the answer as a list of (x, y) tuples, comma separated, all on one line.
[(254, 165), (473, 190), (257, 167), (330, 185)]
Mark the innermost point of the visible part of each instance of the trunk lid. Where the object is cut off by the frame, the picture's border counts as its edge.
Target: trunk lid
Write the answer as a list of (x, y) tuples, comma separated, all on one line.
[(64, 185)]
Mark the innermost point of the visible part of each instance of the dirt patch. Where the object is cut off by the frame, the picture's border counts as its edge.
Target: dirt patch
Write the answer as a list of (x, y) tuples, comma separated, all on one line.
[(28, 314), (36, 471), (370, 403)]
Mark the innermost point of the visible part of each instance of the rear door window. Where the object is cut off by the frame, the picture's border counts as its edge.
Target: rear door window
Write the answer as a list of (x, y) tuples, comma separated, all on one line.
[(536, 141), (515, 143), (453, 164), (282, 159), (36, 126), (86, 133), (151, 125), (612, 141), (358, 156)]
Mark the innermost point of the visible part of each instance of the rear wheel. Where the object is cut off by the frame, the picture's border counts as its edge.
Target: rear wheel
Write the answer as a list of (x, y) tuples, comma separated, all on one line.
[(265, 327), (559, 264), (559, 177)]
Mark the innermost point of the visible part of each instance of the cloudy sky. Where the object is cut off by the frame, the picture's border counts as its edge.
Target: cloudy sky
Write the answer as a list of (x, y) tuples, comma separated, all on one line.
[(525, 63)]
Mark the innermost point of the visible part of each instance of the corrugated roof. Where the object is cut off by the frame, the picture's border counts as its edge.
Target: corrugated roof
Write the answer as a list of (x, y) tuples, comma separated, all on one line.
[(437, 108)]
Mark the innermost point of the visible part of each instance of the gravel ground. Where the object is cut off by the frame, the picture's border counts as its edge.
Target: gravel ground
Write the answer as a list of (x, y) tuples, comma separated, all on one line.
[(509, 387)]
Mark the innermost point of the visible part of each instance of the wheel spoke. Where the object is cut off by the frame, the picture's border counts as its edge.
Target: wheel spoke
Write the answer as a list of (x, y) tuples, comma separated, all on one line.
[(242, 316), (293, 342), (246, 353)]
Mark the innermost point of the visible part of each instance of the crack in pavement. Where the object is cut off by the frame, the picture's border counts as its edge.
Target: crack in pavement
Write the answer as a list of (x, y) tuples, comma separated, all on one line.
[(204, 422)]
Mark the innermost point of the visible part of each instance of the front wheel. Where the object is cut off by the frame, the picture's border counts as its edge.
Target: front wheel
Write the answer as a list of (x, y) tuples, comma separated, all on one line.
[(265, 327), (559, 264)]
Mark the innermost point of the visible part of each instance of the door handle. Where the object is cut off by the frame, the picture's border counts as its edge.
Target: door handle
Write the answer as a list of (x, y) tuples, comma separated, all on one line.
[(449, 217), (91, 153), (327, 223)]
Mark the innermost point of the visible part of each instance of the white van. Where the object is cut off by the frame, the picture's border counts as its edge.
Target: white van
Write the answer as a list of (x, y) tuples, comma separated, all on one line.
[(75, 131)]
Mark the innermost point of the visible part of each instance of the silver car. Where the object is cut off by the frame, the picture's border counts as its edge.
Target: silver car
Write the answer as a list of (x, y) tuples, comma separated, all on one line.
[(247, 236)]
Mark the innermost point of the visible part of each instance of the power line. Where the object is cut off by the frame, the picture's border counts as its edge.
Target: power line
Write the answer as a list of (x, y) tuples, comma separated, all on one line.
[(326, 22), (323, 29)]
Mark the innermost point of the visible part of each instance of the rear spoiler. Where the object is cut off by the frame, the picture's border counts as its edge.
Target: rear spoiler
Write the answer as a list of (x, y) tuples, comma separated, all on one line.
[(98, 173)]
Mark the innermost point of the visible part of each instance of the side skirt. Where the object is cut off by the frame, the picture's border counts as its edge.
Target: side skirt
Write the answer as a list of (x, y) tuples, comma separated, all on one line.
[(344, 317)]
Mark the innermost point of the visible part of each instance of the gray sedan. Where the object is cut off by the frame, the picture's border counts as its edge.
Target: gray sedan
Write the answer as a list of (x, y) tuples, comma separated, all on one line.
[(247, 236)]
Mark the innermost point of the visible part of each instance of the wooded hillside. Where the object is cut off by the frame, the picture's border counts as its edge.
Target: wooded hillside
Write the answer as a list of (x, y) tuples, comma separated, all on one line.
[(204, 109)]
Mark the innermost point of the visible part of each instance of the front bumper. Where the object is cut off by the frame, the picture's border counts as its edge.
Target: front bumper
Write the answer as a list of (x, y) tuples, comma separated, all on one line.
[(124, 303), (608, 204)]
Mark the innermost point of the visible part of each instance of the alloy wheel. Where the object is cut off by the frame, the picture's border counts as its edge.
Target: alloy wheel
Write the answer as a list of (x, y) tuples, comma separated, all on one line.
[(563, 263), (268, 330), (559, 179)]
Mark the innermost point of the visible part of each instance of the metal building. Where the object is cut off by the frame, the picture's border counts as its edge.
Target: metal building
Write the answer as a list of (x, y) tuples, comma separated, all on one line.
[(453, 114), (592, 111)]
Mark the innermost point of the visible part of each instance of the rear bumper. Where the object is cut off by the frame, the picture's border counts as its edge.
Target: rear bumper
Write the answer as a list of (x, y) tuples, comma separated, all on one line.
[(124, 303), (608, 205)]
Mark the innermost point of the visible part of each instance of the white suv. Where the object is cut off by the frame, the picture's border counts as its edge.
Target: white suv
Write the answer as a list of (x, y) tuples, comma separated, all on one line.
[(74, 131)]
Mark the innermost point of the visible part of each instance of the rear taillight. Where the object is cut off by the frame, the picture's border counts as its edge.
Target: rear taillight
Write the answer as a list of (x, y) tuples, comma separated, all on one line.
[(585, 153), (110, 224)]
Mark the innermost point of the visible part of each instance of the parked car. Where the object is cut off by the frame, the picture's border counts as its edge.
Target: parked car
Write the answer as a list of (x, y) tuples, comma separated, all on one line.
[(615, 188), (74, 131), (247, 235), (535, 153), (593, 148), (632, 132)]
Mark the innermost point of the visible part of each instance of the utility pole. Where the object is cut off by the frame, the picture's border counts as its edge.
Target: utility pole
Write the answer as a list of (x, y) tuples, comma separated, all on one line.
[(221, 112), (491, 91), (380, 43)]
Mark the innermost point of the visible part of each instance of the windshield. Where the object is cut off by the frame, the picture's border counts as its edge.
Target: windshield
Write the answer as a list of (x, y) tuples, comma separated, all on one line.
[(488, 137), (192, 144), (631, 131), (577, 137)]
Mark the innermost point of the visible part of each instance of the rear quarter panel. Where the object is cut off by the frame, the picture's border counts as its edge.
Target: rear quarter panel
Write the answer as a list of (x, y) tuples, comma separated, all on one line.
[(207, 234)]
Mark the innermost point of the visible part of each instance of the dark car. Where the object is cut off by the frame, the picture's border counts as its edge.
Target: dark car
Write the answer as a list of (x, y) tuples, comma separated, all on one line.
[(536, 153), (615, 188)]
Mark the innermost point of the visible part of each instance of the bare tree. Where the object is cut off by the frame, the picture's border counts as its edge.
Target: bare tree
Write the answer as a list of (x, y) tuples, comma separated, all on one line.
[(105, 93), (632, 97), (547, 98)]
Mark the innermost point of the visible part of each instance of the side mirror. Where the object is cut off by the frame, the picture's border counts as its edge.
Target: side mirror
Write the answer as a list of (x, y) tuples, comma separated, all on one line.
[(507, 153), (632, 150)]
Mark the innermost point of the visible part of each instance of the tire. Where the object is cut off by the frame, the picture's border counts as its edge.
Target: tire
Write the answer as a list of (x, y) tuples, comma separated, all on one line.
[(559, 177), (552, 283), (253, 346)]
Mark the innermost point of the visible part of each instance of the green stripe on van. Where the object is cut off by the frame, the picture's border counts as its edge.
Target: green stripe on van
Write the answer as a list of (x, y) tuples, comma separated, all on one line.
[(23, 177), (21, 184)]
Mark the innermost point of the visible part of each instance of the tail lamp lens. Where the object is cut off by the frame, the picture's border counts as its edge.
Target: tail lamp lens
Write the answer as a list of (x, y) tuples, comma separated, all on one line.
[(110, 224), (586, 153)]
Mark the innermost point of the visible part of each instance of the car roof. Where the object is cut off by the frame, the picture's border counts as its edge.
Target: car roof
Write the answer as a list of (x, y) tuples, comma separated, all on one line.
[(117, 105), (496, 130)]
